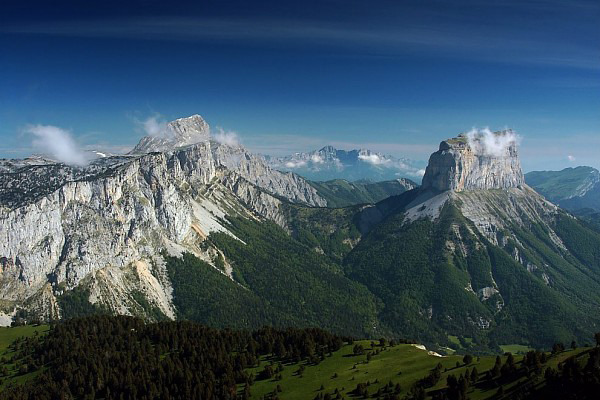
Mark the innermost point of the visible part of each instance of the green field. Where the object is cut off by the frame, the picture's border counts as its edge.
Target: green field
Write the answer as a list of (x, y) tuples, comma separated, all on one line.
[(456, 343), (404, 364), (340, 372), (515, 348), (8, 336)]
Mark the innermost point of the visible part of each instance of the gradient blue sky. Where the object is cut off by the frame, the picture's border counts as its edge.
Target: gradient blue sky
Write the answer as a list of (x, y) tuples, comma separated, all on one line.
[(393, 76)]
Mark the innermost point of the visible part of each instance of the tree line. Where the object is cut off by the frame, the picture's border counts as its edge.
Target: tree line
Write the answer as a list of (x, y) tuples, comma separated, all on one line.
[(119, 357)]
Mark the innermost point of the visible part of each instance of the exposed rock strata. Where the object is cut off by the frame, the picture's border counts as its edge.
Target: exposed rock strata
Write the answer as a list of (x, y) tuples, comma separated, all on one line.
[(103, 225), (458, 166)]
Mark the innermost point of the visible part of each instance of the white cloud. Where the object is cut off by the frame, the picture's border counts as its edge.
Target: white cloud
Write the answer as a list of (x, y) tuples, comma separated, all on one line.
[(228, 138), (57, 143), (295, 164), (154, 126), (317, 159), (373, 159), (571, 158), (485, 142), (411, 172)]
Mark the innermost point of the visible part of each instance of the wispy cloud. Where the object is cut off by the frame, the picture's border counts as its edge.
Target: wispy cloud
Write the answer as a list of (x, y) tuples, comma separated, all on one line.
[(155, 125), (295, 164), (491, 41), (576, 82), (57, 143), (228, 138), (316, 159)]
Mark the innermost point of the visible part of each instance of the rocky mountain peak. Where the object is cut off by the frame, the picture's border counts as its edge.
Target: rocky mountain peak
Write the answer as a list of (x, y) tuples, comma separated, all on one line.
[(328, 149), (105, 224), (191, 129), (475, 160), (178, 133)]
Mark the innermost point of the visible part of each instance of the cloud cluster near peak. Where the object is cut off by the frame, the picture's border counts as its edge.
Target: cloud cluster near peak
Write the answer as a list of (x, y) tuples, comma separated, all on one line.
[(378, 160), (154, 125), (374, 159), (295, 164), (228, 138), (57, 143), (317, 159), (157, 126), (485, 142)]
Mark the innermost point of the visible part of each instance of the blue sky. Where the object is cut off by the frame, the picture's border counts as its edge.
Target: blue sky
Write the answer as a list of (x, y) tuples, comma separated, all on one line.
[(393, 76)]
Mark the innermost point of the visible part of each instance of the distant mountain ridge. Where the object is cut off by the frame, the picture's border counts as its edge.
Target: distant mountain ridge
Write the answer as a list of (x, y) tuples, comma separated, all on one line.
[(330, 163), (575, 189)]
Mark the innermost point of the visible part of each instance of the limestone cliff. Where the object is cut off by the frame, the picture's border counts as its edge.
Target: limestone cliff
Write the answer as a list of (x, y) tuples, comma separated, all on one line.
[(466, 163), (104, 225), (481, 174), (179, 133)]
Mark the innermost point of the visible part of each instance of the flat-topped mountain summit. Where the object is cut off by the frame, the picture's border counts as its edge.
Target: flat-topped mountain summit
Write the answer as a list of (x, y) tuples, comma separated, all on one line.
[(476, 250), (475, 161)]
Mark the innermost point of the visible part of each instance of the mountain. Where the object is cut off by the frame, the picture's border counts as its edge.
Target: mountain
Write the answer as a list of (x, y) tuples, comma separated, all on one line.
[(179, 133), (476, 252), (460, 165), (209, 232), (87, 238), (330, 163), (574, 189), (341, 193)]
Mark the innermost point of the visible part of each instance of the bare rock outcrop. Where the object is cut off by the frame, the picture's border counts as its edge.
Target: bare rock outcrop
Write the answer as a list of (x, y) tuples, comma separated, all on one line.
[(179, 133), (467, 163), (103, 225)]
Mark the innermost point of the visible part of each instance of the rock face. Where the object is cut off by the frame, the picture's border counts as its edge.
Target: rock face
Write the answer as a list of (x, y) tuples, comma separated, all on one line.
[(492, 253), (466, 170), (179, 133), (464, 163), (103, 226), (487, 187)]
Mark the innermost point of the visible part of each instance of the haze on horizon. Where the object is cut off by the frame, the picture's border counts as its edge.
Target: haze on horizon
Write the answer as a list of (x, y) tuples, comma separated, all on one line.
[(394, 77)]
